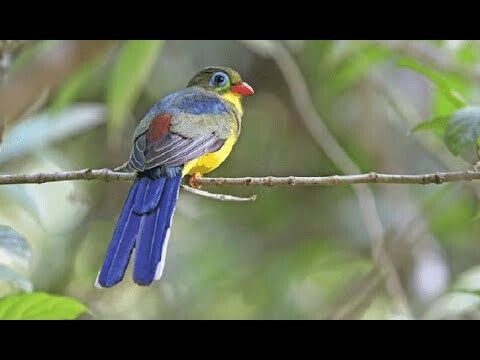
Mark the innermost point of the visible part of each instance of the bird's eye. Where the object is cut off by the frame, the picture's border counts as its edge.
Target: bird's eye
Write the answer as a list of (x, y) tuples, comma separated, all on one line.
[(218, 79)]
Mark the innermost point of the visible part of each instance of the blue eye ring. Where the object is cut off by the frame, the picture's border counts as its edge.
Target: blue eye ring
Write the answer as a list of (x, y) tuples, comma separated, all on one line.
[(219, 79)]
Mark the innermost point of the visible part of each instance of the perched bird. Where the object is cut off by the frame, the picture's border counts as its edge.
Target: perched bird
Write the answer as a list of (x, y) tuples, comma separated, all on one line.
[(190, 132)]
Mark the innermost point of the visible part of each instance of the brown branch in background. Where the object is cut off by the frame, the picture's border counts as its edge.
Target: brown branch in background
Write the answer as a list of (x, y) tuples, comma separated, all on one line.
[(360, 297), (47, 71), (325, 139)]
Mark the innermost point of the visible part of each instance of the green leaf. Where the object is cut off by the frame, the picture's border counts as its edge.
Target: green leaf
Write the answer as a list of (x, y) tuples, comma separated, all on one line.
[(74, 84), (13, 277), (40, 306), (355, 66), (14, 249), (443, 84), (129, 73), (463, 129), (438, 123), (441, 105), (468, 53)]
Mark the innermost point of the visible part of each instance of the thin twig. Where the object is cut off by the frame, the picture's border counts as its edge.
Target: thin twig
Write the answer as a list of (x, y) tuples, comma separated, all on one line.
[(121, 168), (267, 181), (221, 197)]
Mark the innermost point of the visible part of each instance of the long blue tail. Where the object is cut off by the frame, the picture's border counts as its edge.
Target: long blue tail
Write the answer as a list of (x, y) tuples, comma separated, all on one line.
[(144, 224)]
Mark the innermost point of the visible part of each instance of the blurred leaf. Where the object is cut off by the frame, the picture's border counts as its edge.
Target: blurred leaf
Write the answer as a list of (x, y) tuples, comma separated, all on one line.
[(463, 129), (43, 129), (468, 53), (443, 84), (129, 73), (355, 66), (40, 306), (469, 281), (452, 305), (14, 249), (74, 84), (441, 105), (438, 123), (13, 277), (19, 194), (35, 49), (327, 268)]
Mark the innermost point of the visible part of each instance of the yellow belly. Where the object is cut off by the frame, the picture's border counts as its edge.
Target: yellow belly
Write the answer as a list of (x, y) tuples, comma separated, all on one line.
[(211, 161)]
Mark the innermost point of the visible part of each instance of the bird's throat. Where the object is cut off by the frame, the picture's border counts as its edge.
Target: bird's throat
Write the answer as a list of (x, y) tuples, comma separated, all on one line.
[(235, 100)]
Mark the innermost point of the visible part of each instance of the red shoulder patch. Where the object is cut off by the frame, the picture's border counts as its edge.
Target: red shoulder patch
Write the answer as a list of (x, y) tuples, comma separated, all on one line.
[(159, 127)]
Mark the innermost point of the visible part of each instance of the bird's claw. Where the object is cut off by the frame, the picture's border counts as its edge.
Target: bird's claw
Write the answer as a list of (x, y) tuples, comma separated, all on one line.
[(192, 181)]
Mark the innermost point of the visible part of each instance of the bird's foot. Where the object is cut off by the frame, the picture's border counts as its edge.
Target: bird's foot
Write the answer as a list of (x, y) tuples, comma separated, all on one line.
[(192, 181)]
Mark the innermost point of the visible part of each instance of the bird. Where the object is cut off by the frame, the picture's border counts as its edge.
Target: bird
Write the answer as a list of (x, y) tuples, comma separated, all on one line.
[(187, 133)]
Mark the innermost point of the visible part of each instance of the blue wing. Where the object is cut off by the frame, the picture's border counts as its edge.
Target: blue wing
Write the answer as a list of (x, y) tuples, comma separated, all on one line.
[(191, 100)]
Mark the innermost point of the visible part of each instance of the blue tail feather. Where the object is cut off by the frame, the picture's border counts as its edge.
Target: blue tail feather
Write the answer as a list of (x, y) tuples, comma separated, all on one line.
[(153, 190), (143, 223), (121, 246), (152, 234), (143, 186), (160, 247)]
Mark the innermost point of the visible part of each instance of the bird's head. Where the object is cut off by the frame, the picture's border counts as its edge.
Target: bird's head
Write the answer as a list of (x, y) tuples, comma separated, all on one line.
[(221, 80)]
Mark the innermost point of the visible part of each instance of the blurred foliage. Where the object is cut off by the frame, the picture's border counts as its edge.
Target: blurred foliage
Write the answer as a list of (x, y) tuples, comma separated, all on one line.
[(15, 256), (295, 253), (129, 73), (39, 306)]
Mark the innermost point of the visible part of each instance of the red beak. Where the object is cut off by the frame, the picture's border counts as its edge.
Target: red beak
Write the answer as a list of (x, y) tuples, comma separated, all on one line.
[(242, 88)]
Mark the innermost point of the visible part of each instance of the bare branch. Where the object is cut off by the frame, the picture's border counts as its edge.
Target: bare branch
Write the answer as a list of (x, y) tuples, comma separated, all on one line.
[(370, 178), (267, 181)]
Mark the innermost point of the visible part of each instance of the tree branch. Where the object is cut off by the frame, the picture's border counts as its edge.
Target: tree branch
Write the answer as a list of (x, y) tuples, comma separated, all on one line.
[(267, 181)]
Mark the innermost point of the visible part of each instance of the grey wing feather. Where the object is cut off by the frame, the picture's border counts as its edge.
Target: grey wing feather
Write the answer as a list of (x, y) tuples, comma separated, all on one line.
[(182, 150), (137, 156)]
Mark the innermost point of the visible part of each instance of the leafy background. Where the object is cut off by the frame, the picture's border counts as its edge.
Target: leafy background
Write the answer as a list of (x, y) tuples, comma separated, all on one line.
[(296, 253)]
